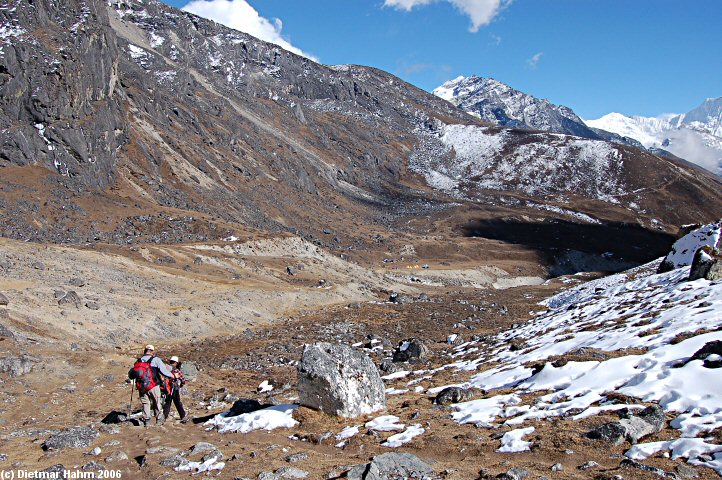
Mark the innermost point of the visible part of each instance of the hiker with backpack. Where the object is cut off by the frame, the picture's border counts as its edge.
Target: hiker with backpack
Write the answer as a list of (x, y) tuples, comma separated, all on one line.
[(152, 378), (175, 394)]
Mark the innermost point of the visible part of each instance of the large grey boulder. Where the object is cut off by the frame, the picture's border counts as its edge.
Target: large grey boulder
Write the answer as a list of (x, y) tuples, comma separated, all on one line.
[(632, 427), (339, 380), (76, 437), (190, 370), (393, 466)]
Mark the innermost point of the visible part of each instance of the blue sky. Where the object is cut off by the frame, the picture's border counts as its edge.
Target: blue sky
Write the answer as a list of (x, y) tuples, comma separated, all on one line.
[(638, 57)]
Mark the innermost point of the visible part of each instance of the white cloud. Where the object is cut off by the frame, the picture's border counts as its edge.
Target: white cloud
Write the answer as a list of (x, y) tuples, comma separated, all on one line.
[(534, 60), (481, 12), (239, 15)]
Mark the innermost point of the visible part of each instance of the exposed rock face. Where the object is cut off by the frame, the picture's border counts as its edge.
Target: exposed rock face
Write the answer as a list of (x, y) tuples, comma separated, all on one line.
[(59, 90), (339, 380), (632, 427), (713, 348), (393, 466), (76, 437)]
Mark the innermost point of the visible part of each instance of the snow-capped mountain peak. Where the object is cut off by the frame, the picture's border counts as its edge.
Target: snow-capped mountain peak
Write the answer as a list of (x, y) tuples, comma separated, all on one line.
[(695, 136)]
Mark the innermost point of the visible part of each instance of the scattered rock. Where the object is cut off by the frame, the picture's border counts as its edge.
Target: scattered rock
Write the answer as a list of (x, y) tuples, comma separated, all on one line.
[(515, 474), (710, 348), (16, 366), (92, 306), (290, 472), (557, 467), (5, 331), (76, 282), (116, 457), (400, 298), (297, 457), (387, 366), (392, 466), (3, 457), (339, 380), (588, 465), (70, 298), (685, 471), (290, 270), (208, 450), (95, 452), (38, 265), (92, 467), (629, 463), (76, 437), (55, 471), (451, 395), (4, 300), (631, 427), (411, 350), (174, 461)]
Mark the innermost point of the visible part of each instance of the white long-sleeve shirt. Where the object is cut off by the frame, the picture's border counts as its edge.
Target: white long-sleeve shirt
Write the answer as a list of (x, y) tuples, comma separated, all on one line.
[(157, 363)]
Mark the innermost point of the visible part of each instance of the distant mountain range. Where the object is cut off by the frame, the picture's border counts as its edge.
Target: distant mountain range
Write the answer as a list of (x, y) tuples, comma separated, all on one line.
[(695, 136)]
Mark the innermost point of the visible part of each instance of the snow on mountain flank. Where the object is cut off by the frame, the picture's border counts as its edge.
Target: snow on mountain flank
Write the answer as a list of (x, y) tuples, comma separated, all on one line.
[(456, 158), (646, 328), (498, 103)]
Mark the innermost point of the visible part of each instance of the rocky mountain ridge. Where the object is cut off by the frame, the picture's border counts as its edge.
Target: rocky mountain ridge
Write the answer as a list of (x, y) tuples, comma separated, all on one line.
[(185, 130), (500, 104)]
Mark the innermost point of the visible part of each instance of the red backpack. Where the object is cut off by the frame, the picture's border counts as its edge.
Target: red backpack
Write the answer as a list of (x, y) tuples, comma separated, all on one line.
[(143, 375)]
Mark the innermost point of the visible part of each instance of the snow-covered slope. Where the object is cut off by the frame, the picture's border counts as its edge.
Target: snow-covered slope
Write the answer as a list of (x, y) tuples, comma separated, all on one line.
[(491, 158), (636, 334), (695, 136)]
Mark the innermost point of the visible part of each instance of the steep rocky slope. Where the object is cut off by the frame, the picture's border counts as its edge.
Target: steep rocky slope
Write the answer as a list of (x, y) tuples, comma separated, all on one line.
[(132, 121)]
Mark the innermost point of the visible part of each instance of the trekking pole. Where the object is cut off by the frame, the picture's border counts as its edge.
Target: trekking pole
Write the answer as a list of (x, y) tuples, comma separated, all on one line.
[(130, 404)]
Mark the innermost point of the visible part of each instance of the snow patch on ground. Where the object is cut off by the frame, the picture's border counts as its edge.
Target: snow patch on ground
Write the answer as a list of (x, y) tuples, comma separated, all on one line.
[(406, 436), (512, 441), (385, 423), (278, 416)]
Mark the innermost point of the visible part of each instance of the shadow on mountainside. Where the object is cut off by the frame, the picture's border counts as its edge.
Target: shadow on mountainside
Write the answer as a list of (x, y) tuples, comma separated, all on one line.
[(573, 247)]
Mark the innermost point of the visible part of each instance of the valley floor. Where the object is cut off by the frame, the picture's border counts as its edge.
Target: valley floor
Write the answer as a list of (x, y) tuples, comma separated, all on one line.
[(243, 319)]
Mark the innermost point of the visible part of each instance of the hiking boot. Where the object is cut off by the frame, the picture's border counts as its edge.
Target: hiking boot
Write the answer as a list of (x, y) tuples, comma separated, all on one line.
[(185, 419), (160, 420), (144, 422)]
